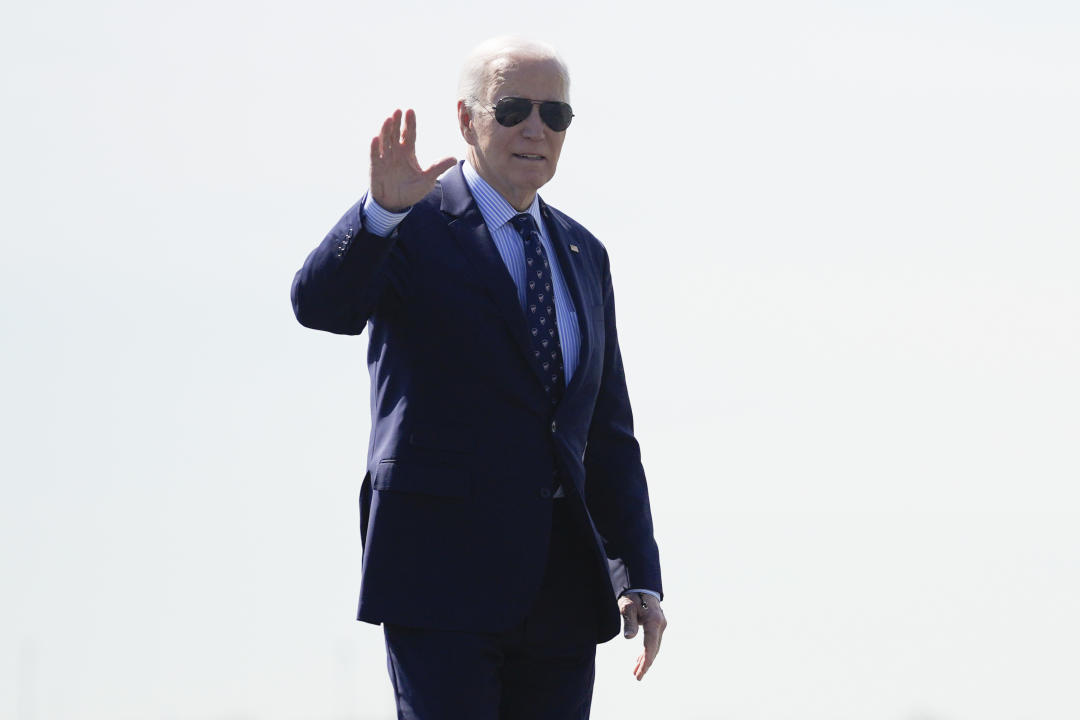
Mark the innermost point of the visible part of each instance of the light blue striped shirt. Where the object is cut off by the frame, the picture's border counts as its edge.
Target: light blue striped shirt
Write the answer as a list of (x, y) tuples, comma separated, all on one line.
[(497, 213)]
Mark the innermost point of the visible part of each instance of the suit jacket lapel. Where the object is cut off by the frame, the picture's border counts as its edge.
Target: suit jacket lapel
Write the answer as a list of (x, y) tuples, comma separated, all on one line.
[(571, 272), (476, 243)]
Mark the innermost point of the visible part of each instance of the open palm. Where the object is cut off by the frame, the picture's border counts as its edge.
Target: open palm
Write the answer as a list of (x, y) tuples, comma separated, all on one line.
[(397, 180)]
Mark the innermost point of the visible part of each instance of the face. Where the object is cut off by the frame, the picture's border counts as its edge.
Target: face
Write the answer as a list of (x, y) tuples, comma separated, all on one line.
[(519, 160)]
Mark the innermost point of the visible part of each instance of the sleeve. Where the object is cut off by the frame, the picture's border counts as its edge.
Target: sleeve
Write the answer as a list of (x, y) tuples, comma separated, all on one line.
[(616, 492), (350, 272), (643, 590), (378, 220)]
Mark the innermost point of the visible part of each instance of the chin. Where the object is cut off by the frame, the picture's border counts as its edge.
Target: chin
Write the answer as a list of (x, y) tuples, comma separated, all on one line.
[(536, 179)]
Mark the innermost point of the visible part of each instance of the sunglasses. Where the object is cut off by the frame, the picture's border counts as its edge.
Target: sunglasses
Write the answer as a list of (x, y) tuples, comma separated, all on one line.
[(511, 111)]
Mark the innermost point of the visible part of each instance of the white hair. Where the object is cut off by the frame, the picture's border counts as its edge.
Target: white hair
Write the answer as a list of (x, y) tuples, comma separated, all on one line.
[(490, 57)]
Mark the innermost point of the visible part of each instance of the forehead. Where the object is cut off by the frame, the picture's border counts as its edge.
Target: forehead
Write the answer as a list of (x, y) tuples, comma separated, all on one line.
[(536, 79)]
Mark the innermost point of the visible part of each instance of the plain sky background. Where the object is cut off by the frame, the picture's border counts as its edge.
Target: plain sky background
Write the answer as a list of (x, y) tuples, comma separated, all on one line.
[(845, 240)]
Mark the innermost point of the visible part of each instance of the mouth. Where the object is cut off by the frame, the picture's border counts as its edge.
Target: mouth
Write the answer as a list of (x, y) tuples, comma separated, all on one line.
[(529, 156)]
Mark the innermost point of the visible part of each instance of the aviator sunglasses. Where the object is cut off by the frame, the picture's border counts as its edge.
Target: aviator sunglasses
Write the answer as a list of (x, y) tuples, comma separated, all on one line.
[(511, 111)]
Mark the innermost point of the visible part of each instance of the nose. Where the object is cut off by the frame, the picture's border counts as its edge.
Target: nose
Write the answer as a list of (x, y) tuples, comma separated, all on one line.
[(533, 126)]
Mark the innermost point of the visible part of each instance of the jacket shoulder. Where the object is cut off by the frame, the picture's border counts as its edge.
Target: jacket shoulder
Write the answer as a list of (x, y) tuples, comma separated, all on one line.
[(424, 217), (576, 231), (430, 205)]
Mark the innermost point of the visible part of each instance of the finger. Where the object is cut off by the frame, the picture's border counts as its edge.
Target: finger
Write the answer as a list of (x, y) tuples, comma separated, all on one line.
[(652, 647), (630, 621), (376, 143), (440, 167), (408, 137), (395, 130), (639, 667), (385, 136)]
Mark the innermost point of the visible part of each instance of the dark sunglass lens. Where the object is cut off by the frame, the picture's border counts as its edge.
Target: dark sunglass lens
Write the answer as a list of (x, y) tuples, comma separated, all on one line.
[(557, 115), (511, 111)]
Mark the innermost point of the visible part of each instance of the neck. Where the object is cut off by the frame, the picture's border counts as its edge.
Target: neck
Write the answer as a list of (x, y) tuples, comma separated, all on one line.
[(523, 206), (519, 202)]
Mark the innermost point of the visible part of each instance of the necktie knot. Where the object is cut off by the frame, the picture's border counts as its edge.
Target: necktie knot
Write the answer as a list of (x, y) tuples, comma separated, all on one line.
[(524, 224)]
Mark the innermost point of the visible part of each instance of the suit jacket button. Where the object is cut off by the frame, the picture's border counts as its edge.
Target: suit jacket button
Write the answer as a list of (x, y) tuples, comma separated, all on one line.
[(553, 426), (545, 493)]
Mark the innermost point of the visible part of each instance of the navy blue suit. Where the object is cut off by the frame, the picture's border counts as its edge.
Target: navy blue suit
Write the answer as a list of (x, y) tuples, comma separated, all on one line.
[(464, 443)]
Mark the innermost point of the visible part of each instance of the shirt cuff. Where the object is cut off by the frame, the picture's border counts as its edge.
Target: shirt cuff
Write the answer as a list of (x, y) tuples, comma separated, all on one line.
[(378, 220), (647, 592)]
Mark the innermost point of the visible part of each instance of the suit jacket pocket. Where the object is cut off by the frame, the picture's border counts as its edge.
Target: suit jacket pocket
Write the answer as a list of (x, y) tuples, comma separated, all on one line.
[(402, 476)]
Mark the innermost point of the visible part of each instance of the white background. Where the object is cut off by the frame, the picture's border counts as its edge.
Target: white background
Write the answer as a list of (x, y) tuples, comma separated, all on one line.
[(845, 248)]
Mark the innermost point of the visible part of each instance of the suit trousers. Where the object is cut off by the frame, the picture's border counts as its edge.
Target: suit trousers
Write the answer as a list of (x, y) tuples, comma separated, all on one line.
[(540, 669)]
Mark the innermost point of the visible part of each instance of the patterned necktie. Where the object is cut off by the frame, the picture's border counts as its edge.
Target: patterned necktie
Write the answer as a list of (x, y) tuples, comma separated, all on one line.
[(540, 308)]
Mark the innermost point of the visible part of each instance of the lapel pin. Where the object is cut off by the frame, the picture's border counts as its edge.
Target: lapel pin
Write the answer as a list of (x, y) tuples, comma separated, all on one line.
[(573, 247)]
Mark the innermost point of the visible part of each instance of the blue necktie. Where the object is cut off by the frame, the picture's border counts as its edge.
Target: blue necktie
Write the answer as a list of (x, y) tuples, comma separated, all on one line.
[(540, 308)]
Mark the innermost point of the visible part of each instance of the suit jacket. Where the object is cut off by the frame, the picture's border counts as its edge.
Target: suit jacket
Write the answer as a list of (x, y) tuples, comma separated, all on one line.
[(455, 508)]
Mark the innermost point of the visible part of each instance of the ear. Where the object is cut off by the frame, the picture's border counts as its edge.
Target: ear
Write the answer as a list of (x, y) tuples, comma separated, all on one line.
[(465, 123)]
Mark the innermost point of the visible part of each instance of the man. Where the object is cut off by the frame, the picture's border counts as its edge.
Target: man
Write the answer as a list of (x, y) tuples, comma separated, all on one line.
[(504, 508)]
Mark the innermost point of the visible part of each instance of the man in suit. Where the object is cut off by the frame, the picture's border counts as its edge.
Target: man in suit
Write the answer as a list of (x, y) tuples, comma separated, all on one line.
[(505, 517)]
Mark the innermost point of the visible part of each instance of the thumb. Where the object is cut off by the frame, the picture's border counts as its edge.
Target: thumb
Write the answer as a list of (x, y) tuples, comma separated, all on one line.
[(630, 620), (440, 167)]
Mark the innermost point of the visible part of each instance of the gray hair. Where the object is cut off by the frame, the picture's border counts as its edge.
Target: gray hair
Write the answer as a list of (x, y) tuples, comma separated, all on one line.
[(489, 57)]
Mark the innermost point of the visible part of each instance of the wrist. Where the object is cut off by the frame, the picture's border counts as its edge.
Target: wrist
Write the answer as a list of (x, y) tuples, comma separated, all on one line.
[(643, 591), (378, 220)]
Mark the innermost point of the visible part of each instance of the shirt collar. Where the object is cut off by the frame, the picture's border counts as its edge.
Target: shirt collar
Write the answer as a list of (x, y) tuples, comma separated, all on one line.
[(494, 208)]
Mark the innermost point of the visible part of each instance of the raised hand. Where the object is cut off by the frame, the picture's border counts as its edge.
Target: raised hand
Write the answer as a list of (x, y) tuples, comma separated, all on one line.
[(397, 182)]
